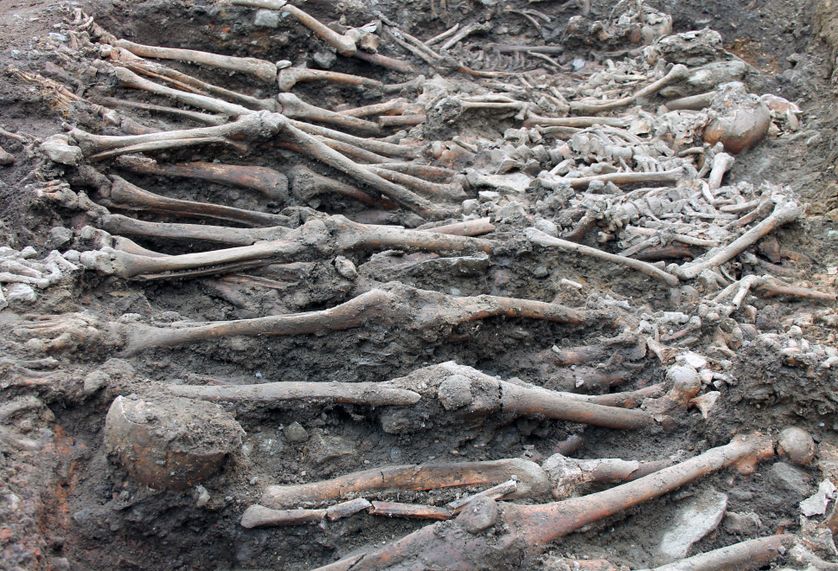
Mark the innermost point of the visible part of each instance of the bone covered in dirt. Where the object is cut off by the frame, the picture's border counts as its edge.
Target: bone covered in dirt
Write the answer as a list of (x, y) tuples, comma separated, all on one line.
[(170, 443)]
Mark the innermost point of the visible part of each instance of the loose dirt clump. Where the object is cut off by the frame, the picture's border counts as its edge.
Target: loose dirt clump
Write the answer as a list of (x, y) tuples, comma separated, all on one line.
[(418, 285)]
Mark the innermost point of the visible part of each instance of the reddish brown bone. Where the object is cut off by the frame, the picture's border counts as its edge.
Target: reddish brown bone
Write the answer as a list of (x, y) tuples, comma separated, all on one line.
[(265, 180), (514, 532)]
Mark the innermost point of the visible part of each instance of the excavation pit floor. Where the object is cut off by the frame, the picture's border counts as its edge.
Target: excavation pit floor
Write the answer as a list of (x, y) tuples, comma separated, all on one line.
[(358, 271)]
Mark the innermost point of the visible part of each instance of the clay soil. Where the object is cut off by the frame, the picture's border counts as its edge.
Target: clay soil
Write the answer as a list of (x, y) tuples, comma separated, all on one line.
[(69, 505)]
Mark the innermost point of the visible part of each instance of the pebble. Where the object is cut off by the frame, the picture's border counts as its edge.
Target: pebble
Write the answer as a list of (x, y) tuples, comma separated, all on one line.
[(266, 19), (295, 433), (202, 496), (790, 479), (742, 523), (547, 226), (59, 236)]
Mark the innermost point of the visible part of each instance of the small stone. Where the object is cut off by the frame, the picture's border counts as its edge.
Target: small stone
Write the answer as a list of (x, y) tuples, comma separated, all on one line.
[(58, 149), (59, 236), (547, 226), (295, 433), (540, 272), (202, 496), (744, 523), (791, 479), (694, 520), (324, 59), (479, 514), (22, 293), (266, 19), (324, 449)]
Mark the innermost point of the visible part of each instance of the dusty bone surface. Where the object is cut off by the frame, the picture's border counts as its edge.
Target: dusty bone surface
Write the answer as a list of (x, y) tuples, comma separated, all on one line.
[(283, 282)]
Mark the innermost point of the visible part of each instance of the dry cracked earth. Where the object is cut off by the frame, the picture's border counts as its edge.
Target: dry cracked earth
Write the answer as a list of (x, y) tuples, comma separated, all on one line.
[(418, 285)]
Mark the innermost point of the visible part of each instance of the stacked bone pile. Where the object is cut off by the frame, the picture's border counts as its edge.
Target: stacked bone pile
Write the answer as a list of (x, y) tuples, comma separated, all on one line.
[(314, 218)]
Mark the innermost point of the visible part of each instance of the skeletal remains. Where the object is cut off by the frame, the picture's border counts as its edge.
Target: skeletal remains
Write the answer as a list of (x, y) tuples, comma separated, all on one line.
[(643, 188)]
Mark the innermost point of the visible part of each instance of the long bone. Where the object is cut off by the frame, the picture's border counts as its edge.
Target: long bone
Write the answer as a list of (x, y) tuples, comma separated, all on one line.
[(477, 395), (265, 125), (742, 556), (306, 184), (318, 237), (369, 394), (345, 44), (205, 118), (512, 533), (621, 178), (538, 237), (392, 304), (264, 70), (677, 73), (124, 58), (558, 476), (260, 125), (785, 211), (289, 77), (126, 226), (286, 103), (126, 196), (337, 161), (264, 180)]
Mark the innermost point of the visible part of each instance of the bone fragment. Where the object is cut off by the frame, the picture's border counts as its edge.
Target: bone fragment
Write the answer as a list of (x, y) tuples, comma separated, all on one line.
[(538, 237), (410, 511), (534, 120), (260, 516), (621, 178), (722, 162)]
